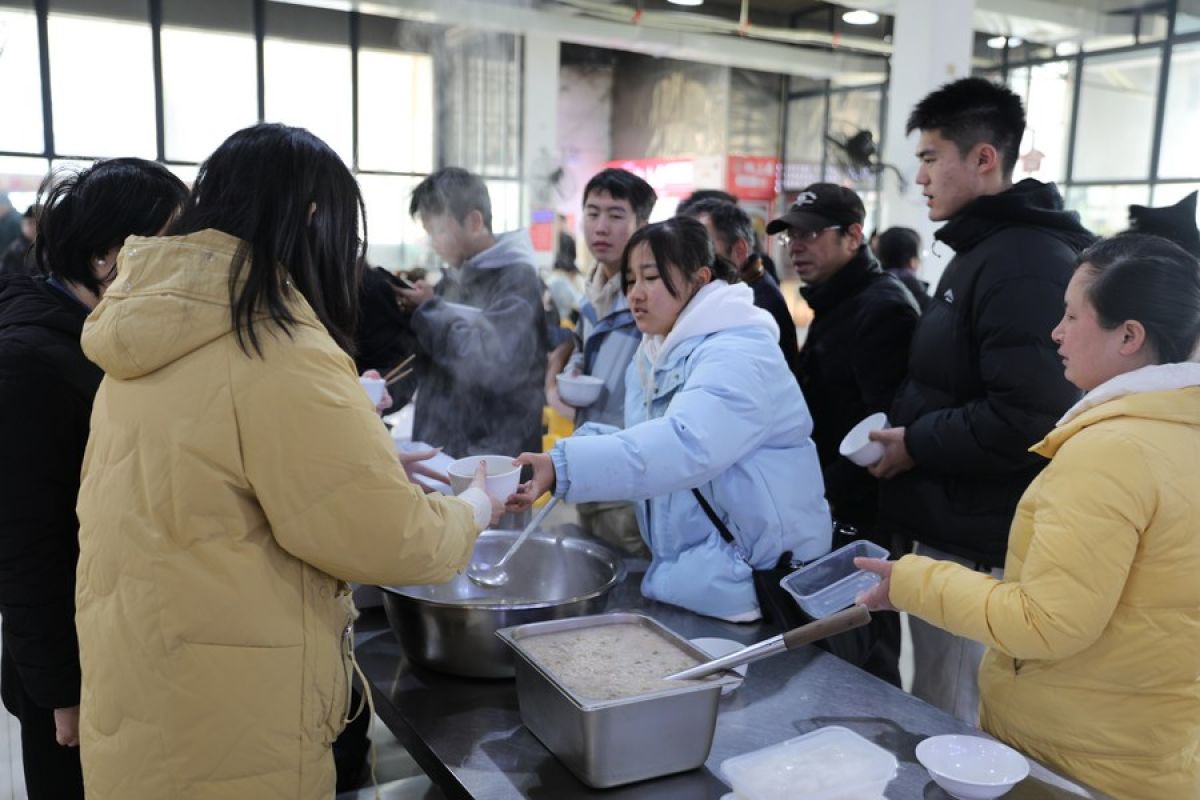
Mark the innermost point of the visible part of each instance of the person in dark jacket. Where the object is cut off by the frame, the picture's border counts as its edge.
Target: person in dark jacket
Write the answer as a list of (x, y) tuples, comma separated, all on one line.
[(685, 209), (482, 333), (899, 252), (46, 392), (383, 337), (984, 381), (852, 363), (15, 258), (732, 235)]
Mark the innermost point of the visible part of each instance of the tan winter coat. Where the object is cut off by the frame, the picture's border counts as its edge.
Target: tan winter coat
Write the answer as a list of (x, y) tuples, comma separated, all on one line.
[(225, 498), (1094, 634)]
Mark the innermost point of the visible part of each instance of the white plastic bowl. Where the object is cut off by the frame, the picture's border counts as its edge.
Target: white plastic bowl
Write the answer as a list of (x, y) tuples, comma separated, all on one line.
[(971, 767), (856, 445), (578, 390), (502, 476), (374, 388)]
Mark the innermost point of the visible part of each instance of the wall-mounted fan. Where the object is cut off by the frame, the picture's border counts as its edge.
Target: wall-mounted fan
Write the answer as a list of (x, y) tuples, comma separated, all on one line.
[(856, 155)]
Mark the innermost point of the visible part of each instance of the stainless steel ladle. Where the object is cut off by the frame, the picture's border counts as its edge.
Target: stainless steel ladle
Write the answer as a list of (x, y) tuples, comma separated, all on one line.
[(494, 575)]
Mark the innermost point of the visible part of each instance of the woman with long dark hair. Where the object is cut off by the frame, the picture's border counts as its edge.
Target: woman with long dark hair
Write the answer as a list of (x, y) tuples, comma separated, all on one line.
[(237, 476), (716, 451), (1093, 634), (46, 392)]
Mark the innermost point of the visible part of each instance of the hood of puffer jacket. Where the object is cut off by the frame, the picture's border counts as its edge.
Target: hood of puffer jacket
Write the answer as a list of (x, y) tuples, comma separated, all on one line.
[(1028, 203), (1146, 393), (171, 298)]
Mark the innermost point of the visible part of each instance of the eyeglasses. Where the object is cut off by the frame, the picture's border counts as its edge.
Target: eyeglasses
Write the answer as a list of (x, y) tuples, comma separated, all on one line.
[(804, 237)]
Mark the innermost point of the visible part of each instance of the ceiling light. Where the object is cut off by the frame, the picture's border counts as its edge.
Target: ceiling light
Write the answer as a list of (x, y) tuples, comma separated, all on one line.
[(998, 42), (687, 2), (860, 17)]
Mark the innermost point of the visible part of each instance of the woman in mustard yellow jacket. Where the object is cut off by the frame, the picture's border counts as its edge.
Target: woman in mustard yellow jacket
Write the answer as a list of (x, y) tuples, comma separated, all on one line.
[(236, 476), (1094, 633)]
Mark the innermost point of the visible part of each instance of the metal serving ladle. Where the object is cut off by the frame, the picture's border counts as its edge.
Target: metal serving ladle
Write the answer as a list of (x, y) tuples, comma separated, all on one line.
[(494, 576)]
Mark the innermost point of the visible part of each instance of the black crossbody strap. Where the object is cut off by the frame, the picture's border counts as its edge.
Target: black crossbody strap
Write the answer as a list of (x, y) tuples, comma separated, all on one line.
[(712, 516)]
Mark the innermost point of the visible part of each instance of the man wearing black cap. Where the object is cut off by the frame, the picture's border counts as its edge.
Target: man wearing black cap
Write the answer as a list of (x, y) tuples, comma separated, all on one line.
[(852, 362)]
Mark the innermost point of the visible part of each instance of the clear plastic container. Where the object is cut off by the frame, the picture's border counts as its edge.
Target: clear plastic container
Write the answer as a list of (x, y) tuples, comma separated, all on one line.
[(831, 763), (831, 583)]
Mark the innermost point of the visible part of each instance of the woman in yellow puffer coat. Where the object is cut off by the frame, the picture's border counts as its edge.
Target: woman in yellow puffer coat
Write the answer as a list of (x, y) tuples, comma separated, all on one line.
[(235, 477), (1094, 633)]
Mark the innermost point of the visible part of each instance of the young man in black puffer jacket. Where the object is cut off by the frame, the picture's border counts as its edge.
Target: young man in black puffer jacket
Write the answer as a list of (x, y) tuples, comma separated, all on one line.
[(984, 381)]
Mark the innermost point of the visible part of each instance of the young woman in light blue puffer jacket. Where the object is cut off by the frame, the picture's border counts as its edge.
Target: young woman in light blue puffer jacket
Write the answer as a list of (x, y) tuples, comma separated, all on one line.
[(709, 405)]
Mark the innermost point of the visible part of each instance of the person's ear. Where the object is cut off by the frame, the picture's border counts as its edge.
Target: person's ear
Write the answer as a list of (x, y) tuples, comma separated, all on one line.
[(986, 158), (854, 236), (740, 252), (1133, 338), (704, 276), (475, 222)]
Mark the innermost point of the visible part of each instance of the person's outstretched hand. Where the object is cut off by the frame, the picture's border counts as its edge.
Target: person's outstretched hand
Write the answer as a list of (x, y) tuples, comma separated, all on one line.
[(541, 482), (412, 461), (878, 597), (479, 481)]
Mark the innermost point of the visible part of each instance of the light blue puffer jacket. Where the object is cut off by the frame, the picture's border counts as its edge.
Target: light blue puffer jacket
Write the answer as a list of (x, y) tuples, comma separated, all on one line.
[(712, 406)]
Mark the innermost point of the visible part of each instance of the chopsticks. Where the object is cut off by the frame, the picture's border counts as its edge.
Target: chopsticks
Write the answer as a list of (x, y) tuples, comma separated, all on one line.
[(397, 372), (401, 376)]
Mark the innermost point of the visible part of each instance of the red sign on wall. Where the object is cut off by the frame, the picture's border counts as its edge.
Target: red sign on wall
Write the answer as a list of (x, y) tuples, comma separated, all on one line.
[(753, 177)]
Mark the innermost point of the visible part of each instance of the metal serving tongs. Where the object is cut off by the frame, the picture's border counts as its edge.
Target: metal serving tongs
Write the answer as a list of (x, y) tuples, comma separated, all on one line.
[(842, 621)]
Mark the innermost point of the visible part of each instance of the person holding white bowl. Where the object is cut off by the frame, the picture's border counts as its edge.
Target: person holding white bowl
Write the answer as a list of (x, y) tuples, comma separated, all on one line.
[(1093, 634), (710, 406)]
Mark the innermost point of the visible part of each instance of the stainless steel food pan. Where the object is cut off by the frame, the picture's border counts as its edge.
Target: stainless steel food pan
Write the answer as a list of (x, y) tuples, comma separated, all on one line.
[(614, 742)]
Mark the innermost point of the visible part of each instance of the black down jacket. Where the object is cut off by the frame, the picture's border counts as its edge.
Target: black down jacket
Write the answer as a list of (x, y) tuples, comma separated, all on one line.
[(985, 382), (46, 392), (853, 360)]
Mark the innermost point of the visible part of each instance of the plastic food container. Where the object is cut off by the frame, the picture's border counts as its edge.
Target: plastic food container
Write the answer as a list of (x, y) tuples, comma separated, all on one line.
[(831, 763), (831, 583), (614, 742)]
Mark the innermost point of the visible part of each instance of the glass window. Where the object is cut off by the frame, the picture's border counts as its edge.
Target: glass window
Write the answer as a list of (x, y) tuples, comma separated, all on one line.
[(1047, 91), (21, 76), (1116, 107), (506, 205), (396, 113), (850, 113), (102, 80), (754, 113), (1104, 210), (307, 71), (805, 141), (479, 126), (1179, 157), (1123, 24), (21, 178), (1187, 16), (394, 239), (205, 98)]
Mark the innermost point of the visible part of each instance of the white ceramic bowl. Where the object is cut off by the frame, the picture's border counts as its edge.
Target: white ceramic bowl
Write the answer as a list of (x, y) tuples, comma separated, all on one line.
[(971, 767), (578, 390), (860, 449), (502, 476), (374, 388)]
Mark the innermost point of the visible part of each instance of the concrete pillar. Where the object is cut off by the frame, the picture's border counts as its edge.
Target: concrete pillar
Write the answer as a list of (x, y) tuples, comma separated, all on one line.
[(541, 158), (933, 43)]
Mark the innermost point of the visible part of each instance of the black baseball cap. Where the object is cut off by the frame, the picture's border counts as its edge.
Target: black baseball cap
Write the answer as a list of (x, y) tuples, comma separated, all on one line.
[(819, 206)]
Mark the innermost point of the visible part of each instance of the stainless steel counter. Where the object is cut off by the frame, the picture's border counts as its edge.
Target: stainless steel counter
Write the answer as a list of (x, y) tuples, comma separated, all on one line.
[(467, 734)]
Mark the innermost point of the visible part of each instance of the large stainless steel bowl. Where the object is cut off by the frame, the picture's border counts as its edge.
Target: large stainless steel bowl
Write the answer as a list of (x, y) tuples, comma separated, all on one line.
[(451, 627)]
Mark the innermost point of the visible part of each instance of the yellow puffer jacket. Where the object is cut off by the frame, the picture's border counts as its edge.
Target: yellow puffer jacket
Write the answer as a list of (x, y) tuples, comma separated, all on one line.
[(223, 498), (1094, 633)]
